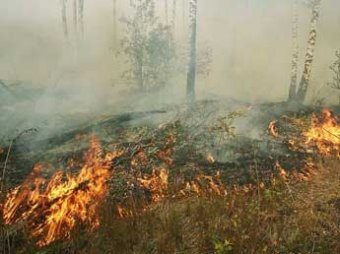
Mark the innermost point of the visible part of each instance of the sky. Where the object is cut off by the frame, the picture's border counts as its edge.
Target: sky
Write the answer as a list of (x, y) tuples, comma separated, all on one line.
[(250, 41)]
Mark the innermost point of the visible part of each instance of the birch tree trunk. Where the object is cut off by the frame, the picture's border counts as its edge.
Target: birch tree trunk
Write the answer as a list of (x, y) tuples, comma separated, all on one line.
[(295, 55), (307, 69), (191, 75)]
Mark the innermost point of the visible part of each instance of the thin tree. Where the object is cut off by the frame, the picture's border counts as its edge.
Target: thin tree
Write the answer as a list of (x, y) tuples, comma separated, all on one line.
[(335, 68), (166, 9), (191, 75), (173, 21), (307, 68), (295, 55), (81, 15), (75, 16), (148, 47), (115, 21), (183, 12), (64, 17)]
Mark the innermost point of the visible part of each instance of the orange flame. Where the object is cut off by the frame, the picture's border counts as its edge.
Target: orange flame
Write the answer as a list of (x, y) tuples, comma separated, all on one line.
[(282, 172), (210, 158), (204, 185), (52, 209), (156, 183), (272, 128), (324, 134)]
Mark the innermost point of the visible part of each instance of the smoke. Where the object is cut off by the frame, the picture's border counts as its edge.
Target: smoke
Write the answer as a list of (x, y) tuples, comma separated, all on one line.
[(250, 40)]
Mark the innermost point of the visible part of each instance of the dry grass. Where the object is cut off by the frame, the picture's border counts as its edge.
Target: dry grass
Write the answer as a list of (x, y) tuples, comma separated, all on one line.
[(301, 218)]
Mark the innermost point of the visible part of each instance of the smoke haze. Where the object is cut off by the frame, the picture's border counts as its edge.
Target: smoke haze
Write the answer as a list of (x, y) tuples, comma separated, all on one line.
[(250, 40)]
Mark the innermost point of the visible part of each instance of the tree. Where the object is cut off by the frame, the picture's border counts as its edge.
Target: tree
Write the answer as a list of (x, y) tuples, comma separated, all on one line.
[(173, 21), (166, 12), (64, 17), (114, 21), (75, 16), (295, 56), (81, 16), (191, 75), (78, 16), (307, 68), (335, 68), (148, 46)]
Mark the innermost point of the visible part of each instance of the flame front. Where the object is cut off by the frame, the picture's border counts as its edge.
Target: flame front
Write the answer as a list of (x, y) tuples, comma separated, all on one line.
[(52, 209), (324, 134)]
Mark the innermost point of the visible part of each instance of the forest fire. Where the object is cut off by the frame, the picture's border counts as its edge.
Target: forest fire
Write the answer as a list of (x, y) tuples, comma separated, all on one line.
[(51, 209), (324, 134)]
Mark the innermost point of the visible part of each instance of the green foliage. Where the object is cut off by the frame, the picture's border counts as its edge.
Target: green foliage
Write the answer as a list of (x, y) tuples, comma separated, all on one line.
[(222, 247), (224, 125), (149, 47)]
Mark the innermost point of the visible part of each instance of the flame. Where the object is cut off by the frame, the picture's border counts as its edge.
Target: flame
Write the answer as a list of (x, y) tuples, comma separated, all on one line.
[(210, 158), (324, 134), (156, 183), (51, 209), (282, 172), (124, 212), (272, 128), (204, 185)]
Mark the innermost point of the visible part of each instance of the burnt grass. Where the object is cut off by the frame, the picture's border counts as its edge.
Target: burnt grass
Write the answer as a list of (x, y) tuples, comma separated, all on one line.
[(280, 218)]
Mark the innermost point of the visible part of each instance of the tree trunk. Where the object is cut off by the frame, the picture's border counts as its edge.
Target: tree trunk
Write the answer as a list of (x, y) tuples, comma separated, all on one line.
[(174, 16), (191, 75), (75, 16), (140, 74), (81, 16), (166, 9), (64, 17), (115, 22), (305, 79), (295, 56)]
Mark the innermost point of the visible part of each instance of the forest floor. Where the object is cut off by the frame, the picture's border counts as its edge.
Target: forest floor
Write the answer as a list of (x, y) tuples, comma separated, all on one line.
[(205, 178)]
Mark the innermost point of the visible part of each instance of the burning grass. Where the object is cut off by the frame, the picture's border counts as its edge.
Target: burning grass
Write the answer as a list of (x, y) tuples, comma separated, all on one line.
[(162, 194), (50, 209), (324, 134)]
